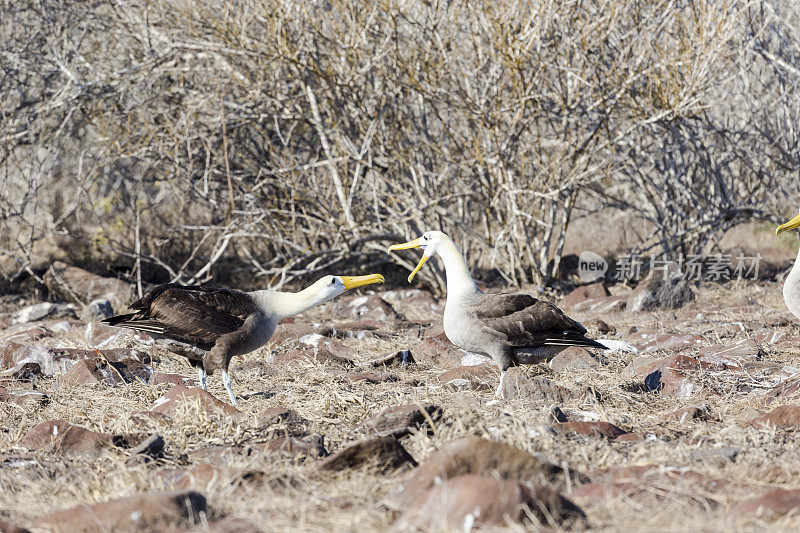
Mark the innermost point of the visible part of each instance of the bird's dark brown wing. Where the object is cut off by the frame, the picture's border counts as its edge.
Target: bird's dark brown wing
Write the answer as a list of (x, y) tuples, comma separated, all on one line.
[(525, 321), (196, 315)]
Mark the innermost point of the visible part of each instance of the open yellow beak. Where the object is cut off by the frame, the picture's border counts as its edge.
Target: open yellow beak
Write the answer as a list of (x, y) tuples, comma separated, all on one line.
[(410, 244), (352, 282), (792, 224)]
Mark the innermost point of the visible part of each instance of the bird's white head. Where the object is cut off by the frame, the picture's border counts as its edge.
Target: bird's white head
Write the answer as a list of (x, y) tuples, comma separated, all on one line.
[(430, 242), (792, 224), (329, 287)]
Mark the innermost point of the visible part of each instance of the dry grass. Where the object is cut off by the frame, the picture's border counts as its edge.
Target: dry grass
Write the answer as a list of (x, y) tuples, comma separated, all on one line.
[(293, 495)]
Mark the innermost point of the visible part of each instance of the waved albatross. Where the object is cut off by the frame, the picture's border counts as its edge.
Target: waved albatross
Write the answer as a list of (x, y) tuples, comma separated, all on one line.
[(512, 329), (791, 286), (209, 325)]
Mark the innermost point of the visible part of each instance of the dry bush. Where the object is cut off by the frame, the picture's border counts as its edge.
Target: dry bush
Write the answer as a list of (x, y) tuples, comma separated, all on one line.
[(279, 139)]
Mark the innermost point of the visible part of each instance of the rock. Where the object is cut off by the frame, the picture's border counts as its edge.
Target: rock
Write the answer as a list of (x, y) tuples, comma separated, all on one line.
[(24, 398), (539, 389), (474, 455), (729, 356), (421, 301), (315, 348), (601, 326), (784, 417), (648, 340), (385, 452), (477, 377), (7, 527), (371, 308), (592, 429), (656, 292), (25, 373), (61, 437), (199, 476), (606, 304), (464, 502), (400, 358), (41, 311), (97, 310), (769, 506), (25, 334), (573, 358), (76, 285), (583, 293), (690, 412), (669, 376), (146, 512), (158, 378), (783, 390), (97, 372), (230, 524), (54, 361), (181, 398), (398, 421), (719, 456), (293, 331), (272, 416), (438, 351)]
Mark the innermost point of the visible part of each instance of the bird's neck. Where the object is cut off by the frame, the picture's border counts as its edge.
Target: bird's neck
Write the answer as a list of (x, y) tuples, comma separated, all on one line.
[(286, 304), (459, 280), (791, 288)]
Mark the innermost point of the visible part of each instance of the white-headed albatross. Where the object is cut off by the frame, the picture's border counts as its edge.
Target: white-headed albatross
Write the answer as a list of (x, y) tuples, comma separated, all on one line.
[(791, 286), (209, 325), (512, 329)]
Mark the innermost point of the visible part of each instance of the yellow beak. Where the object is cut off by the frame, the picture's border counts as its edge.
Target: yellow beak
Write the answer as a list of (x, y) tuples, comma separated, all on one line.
[(410, 244), (352, 282), (792, 224)]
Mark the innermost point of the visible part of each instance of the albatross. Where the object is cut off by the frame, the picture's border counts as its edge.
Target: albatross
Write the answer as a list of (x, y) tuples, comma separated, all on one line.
[(791, 287), (210, 325), (512, 329)]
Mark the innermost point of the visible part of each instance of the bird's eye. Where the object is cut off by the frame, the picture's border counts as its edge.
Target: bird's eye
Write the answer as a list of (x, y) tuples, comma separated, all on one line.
[(333, 281)]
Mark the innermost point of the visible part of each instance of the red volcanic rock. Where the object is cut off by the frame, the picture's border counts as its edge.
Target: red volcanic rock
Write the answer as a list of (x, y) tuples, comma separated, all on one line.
[(474, 455), (61, 437), (98, 372), (369, 377), (384, 452), (648, 340), (573, 358), (538, 389), (180, 398), (23, 398), (399, 358), (592, 429), (729, 356), (54, 361), (464, 502), (316, 355), (785, 389), (279, 415), (293, 331), (669, 376), (770, 505), (199, 476), (478, 377), (399, 420), (785, 416), (147, 512), (583, 293), (25, 334), (606, 304), (438, 351), (370, 308)]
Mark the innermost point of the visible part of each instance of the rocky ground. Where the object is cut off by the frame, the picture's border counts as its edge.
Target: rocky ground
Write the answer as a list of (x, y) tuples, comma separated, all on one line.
[(361, 416)]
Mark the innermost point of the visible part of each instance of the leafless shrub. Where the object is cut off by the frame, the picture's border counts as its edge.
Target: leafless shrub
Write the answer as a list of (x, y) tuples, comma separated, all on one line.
[(191, 140)]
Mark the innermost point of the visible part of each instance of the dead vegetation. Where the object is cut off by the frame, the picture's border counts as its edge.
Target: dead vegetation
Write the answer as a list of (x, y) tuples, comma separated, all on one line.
[(187, 141)]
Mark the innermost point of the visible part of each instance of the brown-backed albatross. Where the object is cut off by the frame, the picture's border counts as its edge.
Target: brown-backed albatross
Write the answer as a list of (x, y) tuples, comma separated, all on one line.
[(791, 286), (512, 329), (209, 325)]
